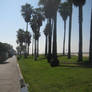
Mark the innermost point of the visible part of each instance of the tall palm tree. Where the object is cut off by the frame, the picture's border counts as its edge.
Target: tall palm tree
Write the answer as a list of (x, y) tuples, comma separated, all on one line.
[(48, 15), (55, 5), (36, 23), (38, 14), (50, 8), (46, 35), (80, 4), (33, 24), (63, 10), (90, 49), (70, 2), (40, 18), (26, 11)]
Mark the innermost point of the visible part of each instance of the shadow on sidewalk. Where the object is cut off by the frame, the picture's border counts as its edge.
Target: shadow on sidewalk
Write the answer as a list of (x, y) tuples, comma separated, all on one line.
[(4, 62)]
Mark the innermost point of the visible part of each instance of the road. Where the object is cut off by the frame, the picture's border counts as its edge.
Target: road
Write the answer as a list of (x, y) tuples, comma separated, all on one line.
[(9, 76)]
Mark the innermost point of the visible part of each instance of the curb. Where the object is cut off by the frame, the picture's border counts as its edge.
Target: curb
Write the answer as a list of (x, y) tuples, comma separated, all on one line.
[(23, 85), (21, 79)]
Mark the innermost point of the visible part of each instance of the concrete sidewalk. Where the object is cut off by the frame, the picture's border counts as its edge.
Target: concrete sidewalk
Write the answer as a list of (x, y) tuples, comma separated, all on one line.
[(9, 76)]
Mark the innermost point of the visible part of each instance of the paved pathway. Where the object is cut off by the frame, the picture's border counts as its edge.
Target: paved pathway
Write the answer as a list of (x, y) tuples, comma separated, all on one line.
[(9, 76)]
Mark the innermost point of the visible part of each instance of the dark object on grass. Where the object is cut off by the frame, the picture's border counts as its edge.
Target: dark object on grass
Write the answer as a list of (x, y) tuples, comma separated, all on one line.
[(54, 62)]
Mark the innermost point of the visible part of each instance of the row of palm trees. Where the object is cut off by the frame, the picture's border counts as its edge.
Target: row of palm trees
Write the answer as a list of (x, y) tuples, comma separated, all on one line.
[(48, 10), (33, 17), (65, 9), (23, 40)]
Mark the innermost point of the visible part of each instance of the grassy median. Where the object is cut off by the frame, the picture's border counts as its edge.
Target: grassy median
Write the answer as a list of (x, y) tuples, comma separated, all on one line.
[(68, 77)]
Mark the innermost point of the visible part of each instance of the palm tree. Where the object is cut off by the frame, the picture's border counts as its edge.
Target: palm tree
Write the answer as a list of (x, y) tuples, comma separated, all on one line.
[(18, 50), (20, 38), (55, 5), (70, 27), (46, 35), (47, 13), (80, 4), (50, 8), (40, 18), (63, 10), (26, 13), (33, 24), (36, 23), (28, 39), (90, 49)]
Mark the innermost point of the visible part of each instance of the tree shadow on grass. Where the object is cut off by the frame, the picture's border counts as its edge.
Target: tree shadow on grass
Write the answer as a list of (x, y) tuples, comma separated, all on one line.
[(75, 66), (84, 64), (42, 58)]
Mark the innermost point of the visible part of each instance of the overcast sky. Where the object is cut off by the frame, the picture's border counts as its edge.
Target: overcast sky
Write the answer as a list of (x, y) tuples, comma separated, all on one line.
[(11, 20)]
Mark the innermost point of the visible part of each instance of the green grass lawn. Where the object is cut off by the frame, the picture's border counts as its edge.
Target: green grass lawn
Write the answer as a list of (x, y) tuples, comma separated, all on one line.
[(41, 77)]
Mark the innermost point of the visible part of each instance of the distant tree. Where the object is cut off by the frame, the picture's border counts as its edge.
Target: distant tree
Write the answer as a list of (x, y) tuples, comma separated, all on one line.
[(80, 4), (20, 38), (90, 49), (22, 49), (18, 50), (64, 12), (28, 39)]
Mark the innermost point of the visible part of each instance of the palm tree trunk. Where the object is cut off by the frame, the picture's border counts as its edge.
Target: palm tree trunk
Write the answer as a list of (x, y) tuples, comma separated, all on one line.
[(64, 37), (54, 52), (49, 45), (20, 49), (28, 49), (32, 47), (20, 53), (90, 50), (54, 61), (38, 47), (80, 57), (26, 44), (69, 42), (35, 56), (46, 47)]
